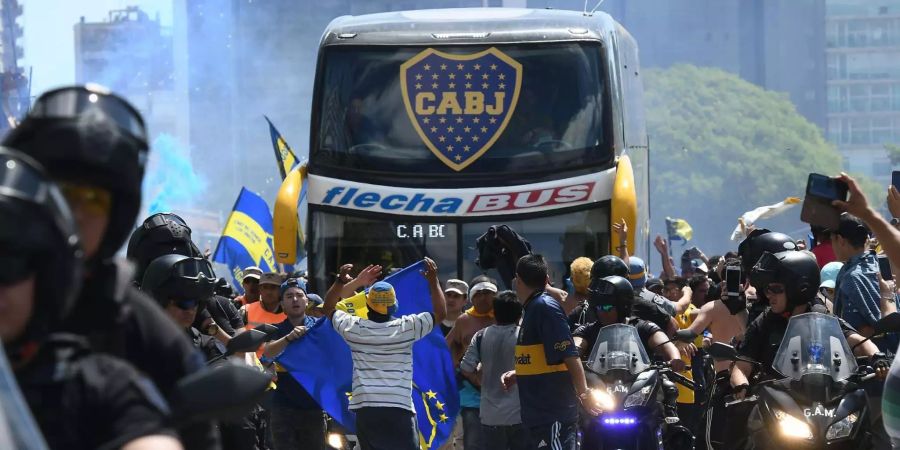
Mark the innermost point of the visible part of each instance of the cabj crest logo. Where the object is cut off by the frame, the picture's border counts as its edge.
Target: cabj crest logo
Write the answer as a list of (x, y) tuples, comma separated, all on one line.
[(460, 104)]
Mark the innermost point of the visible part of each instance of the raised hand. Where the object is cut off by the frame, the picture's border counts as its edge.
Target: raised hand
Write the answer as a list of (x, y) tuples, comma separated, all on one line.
[(857, 203), (431, 272), (621, 229), (344, 276), (369, 275), (661, 245)]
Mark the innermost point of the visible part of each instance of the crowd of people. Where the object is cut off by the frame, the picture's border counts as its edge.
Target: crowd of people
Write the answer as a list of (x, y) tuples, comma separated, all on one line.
[(101, 347)]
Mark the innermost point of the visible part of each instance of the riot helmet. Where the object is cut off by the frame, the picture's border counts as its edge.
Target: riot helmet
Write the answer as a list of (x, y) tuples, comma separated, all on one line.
[(85, 135), (38, 237), (612, 292), (179, 277), (759, 241), (160, 234), (797, 271), (607, 266)]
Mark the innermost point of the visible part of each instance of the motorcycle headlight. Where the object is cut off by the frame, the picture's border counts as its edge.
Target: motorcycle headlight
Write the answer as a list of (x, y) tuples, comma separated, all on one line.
[(335, 440), (792, 427), (841, 428), (638, 398), (603, 399)]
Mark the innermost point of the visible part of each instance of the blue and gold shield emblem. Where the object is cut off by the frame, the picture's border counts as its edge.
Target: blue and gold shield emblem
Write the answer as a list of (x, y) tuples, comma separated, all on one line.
[(460, 104)]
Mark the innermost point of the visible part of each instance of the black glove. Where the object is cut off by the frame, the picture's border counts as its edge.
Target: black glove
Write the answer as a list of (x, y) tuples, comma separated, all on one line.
[(880, 361)]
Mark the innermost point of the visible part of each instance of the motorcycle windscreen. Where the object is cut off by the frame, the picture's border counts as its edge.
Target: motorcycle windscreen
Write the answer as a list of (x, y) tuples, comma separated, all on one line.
[(618, 347), (814, 344)]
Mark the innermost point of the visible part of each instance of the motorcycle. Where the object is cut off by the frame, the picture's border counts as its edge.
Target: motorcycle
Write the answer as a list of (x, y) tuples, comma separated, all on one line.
[(816, 398), (629, 388)]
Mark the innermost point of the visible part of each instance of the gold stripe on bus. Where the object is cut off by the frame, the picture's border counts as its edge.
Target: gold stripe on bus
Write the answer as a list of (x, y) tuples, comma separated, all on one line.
[(531, 360)]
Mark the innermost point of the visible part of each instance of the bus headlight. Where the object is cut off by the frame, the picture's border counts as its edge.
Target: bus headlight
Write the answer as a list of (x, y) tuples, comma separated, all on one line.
[(638, 398), (841, 428), (603, 399), (792, 427)]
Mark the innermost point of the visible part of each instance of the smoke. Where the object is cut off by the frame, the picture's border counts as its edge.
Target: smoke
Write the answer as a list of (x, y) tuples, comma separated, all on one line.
[(171, 181)]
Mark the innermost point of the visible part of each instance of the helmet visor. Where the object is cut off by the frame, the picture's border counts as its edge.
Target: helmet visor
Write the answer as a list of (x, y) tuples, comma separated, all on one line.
[(75, 102), (194, 269), (22, 181)]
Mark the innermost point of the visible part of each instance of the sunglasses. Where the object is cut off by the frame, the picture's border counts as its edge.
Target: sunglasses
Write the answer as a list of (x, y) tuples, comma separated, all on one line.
[(775, 289), (606, 308), (95, 201), (186, 304), (14, 268)]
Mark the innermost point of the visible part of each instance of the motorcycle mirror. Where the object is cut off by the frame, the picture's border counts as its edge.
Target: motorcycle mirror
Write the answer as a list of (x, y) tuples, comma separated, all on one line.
[(719, 350), (269, 329), (685, 335), (202, 396), (888, 324), (247, 341)]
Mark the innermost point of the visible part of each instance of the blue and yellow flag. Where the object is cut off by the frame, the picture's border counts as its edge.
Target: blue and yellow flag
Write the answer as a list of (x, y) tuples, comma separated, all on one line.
[(247, 238), (322, 363), (679, 229), (283, 154)]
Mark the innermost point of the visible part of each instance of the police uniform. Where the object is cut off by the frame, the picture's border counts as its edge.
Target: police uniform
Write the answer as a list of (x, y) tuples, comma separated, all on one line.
[(548, 399), (84, 400)]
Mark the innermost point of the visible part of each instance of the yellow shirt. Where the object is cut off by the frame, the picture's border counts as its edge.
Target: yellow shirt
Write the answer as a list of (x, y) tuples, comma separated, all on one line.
[(686, 395)]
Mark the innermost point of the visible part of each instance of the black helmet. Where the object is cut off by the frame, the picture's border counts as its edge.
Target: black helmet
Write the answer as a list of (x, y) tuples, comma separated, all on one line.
[(160, 234), (223, 288), (797, 271), (759, 241), (37, 236), (177, 277), (86, 135), (607, 266), (613, 290)]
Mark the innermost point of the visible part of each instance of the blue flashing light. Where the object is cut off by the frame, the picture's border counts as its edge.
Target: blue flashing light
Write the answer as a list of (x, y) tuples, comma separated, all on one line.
[(622, 421)]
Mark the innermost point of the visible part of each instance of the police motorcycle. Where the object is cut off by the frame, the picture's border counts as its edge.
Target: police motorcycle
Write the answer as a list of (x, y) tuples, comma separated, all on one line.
[(817, 397), (629, 389)]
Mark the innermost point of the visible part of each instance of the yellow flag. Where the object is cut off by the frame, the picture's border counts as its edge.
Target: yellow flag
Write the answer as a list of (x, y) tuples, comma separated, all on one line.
[(355, 305)]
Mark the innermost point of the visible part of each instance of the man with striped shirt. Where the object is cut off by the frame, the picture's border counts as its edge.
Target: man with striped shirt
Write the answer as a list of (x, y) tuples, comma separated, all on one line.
[(381, 347)]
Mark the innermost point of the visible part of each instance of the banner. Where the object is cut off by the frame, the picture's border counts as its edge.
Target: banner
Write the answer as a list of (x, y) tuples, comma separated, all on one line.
[(283, 154), (247, 238), (679, 229), (322, 363), (763, 212)]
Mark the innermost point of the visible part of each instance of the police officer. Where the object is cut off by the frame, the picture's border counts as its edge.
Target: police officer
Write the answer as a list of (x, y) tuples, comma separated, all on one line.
[(751, 249), (612, 299), (790, 281), (94, 144), (168, 234), (80, 399)]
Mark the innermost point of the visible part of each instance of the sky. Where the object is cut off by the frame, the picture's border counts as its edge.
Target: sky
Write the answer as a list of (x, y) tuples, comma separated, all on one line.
[(49, 36)]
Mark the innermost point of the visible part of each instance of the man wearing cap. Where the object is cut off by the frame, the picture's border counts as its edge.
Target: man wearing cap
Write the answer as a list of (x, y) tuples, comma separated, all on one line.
[(268, 308), (637, 275), (857, 296), (381, 346), (250, 283), (297, 420), (456, 292), (476, 318)]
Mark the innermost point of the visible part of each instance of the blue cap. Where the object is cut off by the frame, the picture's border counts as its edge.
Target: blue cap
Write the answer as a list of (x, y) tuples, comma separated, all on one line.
[(829, 274), (289, 283), (637, 272)]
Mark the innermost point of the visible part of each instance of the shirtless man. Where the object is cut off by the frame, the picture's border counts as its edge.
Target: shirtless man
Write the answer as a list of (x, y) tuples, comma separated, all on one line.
[(726, 320)]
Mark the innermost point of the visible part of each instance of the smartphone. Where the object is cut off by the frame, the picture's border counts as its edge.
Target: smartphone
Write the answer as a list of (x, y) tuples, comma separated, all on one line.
[(884, 265), (821, 190), (733, 281), (826, 188), (895, 179)]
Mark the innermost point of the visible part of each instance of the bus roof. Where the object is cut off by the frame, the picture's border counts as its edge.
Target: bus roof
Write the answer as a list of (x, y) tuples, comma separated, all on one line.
[(461, 26)]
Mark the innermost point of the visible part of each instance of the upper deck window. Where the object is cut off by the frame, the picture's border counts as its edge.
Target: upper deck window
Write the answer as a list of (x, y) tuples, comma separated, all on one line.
[(559, 118)]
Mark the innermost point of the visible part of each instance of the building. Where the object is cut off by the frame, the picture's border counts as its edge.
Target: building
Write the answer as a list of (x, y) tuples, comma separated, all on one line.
[(131, 54), (14, 86), (863, 54)]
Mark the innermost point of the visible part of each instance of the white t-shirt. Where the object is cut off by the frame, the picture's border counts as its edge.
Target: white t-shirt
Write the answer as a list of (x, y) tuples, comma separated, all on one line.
[(382, 357)]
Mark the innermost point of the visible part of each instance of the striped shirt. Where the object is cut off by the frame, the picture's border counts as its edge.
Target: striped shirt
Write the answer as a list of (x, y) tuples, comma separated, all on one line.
[(382, 357)]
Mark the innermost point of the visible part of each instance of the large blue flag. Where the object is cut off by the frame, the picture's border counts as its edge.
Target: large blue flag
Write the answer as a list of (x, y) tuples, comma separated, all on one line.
[(247, 238), (321, 362)]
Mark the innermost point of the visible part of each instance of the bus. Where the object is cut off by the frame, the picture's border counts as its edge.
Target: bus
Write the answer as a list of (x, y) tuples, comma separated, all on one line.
[(430, 126)]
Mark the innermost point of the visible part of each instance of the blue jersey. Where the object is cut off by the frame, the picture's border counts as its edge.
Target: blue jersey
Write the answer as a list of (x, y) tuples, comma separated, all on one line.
[(545, 386)]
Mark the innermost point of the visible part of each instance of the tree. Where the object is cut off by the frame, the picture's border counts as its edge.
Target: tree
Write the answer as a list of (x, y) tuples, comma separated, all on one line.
[(721, 146), (893, 151)]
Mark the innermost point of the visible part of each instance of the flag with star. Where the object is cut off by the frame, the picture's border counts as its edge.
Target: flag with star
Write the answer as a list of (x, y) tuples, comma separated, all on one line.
[(322, 363), (460, 104)]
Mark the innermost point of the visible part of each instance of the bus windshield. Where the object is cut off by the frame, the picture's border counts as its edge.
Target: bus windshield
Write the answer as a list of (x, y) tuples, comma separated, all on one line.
[(561, 118), (395, 242)]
